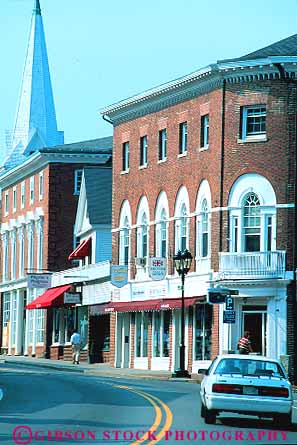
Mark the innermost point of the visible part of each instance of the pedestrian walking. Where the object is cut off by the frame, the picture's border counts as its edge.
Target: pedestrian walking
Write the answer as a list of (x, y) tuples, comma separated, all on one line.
[(75, 341), (244, 345)]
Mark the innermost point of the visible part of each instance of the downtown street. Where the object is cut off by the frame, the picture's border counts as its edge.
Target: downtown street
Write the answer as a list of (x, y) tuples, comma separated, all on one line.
[(50, 406)]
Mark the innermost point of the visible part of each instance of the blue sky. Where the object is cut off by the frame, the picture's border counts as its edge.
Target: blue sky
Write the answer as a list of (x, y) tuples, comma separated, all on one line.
[(101, 52)]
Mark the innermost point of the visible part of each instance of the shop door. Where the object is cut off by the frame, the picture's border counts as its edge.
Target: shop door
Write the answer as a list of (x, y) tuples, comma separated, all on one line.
[(125, 341), (255, 322)]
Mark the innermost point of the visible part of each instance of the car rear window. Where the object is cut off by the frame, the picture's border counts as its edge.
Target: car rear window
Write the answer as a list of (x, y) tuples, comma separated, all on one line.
[(249, 367)]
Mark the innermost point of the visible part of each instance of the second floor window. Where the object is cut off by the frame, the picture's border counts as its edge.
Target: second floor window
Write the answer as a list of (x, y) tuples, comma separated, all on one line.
[(41, 186), (253, 122), (6, 203), (23, 191), (77, 181), (162, 145), (31, 189), (14, 199), (204, 131), (143, 151), (125, 157), (183, 137)]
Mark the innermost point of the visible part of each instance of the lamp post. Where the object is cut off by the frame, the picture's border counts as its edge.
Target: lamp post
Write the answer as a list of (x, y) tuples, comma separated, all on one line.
[(182, 264)]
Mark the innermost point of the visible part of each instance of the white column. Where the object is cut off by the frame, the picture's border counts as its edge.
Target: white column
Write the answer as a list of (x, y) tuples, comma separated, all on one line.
[(19, 323), (26, 333), (10, 326), (34, 327)]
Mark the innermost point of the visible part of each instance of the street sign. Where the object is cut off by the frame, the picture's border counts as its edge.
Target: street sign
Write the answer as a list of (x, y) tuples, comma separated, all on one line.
[(39, 280), (157, 268), (229, 317), (229, 303), (215, 296)]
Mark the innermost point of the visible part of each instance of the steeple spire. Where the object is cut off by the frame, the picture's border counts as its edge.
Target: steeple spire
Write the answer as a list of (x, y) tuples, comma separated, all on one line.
[(37, 9), (35, 124)]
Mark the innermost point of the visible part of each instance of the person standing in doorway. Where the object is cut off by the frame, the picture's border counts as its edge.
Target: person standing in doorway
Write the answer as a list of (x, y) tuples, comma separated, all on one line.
[(244, 345), (75, 342)]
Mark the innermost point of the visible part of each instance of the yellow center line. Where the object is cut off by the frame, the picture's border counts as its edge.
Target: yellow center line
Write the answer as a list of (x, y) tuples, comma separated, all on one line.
[(158, 418)]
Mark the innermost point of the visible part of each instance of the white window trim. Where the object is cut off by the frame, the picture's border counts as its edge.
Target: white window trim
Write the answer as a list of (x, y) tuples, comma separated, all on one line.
[(205, 122), (6, 203), (245, 136), (14, 199), (23, 194), (41, 185), (32, 189), (162, 145), (125, 157)]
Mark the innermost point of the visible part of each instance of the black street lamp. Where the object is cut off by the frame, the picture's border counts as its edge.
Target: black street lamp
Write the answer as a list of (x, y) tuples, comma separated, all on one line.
[(182, 264)]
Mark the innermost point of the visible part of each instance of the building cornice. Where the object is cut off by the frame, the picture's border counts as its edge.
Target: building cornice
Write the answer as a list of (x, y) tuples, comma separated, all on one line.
[(39, 161), (198, 83)]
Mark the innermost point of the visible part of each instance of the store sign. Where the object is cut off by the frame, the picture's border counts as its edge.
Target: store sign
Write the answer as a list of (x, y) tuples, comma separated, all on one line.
[(157, 268), (39, 281), (73, 298), (119, 275)]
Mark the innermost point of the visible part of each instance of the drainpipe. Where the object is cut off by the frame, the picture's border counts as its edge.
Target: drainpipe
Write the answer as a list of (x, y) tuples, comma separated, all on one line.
[(104, 117), (222, 166)]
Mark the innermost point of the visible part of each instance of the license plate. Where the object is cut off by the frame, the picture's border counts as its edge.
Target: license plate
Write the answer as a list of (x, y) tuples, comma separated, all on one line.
[(250, 390)]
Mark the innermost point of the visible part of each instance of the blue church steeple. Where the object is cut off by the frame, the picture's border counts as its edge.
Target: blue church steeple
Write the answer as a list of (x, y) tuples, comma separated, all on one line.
[(35, 124)]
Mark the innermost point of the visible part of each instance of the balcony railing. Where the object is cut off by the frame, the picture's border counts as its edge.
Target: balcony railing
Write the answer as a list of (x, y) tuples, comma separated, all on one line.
[(252, 265)]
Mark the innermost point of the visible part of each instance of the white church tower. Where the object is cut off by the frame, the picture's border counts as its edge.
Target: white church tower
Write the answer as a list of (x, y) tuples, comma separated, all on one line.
[(35, 124)]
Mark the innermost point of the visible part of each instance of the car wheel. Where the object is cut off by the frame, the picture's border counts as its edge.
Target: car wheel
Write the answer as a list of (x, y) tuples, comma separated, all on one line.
[(284, 420), (209, 416), (202, 412)]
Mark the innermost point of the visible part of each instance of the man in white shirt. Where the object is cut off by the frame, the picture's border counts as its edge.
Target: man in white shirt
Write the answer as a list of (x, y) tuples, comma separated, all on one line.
[(75, 341)]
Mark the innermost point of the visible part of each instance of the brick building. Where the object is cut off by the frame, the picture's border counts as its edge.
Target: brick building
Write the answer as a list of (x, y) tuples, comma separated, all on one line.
[(39, 199), (208, 163)]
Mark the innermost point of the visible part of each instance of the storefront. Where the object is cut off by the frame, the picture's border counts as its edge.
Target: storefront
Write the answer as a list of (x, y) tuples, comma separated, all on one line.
[(148, 333)]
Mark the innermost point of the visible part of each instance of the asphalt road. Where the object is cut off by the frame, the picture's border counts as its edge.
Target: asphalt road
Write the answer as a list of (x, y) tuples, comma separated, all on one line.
[(42, 406)]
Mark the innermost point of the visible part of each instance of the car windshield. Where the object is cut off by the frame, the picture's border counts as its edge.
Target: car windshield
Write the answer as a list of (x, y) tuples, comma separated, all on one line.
[(249, 367)]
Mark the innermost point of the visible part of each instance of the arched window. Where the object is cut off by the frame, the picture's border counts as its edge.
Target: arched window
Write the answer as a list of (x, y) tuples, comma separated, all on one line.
[(183, 229), (204, 229), (124, 243), (124, 234), (251, 222), (252, 215), (161, 235)]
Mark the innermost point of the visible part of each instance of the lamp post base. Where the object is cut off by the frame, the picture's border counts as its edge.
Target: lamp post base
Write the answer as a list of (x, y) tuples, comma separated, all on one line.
[(181, 373)]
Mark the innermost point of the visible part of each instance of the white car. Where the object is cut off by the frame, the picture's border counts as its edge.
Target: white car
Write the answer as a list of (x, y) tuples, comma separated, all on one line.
[(246, 384)]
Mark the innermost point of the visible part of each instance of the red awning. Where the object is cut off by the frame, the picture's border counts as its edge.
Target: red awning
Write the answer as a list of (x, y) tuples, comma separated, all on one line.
[(82, 250), (151, 305), (51, 298)]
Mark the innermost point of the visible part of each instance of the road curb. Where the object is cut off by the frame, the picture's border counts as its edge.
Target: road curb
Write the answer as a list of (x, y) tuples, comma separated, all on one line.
[(99, 373)]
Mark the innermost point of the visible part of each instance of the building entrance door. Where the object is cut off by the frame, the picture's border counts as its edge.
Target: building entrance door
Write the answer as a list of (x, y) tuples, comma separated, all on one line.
[(255, 321)]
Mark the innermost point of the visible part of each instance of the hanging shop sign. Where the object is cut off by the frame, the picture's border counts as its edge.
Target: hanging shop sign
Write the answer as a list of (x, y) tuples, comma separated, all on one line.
[(39, 280), (119, 275), (157, 268), (72, 298)]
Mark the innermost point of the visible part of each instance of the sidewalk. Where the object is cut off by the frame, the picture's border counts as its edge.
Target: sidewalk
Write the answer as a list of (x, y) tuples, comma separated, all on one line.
[(100, 369)]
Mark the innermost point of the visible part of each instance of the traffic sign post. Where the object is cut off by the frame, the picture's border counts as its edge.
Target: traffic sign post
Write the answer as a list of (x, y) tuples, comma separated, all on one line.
[(229, 303), (229, 317)]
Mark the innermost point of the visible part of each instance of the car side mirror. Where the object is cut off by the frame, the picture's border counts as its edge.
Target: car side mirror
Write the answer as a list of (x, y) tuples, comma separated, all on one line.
[(203, 371)]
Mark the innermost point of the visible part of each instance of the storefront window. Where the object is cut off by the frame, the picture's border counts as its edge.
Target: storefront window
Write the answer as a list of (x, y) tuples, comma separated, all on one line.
[(40, 325), (56, 326), (141, 334), (13, 317), (161, 324), (202, 331), (83, 323), (69, 323)]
